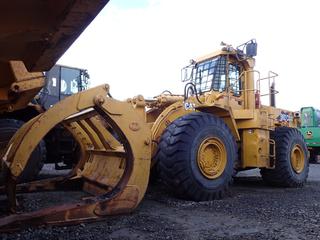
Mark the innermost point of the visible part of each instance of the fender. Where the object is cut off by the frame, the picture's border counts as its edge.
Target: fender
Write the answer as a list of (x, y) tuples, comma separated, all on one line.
[(178, 110)]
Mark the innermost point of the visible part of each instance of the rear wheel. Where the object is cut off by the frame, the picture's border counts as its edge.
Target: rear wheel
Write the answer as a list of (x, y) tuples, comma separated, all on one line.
[(291, 166), (196, 156), (8, 128)]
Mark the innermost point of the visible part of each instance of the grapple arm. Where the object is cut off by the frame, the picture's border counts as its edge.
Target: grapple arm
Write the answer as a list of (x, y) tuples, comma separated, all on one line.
[(115, 158)]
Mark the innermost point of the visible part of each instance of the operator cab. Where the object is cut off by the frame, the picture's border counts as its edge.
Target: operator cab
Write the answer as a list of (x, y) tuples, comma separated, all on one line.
[(61, 82), (310, 117), (218, 72), (229, 75)]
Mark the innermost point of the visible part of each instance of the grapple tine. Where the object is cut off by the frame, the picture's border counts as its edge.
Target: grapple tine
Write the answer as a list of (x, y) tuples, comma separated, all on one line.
[(51, 184), (90, 209), (114, 166)]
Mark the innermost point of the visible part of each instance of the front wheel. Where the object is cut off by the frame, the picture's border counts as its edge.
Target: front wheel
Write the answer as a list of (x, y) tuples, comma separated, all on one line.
[(196, 156), (292, 165)]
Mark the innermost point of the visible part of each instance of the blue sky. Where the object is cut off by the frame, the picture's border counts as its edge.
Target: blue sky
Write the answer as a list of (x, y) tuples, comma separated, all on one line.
[(127, 4), (139, 47)]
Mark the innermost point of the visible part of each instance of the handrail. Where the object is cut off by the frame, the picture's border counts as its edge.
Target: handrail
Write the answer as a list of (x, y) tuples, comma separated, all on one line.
[(271, 75)]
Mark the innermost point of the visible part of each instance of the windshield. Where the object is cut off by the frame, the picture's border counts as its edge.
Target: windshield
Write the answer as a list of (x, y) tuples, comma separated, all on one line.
[(208, 75), (70, 79), (307, 115)]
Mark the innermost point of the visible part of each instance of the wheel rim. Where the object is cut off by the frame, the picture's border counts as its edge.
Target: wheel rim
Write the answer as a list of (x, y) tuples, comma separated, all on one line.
[(212, 158), (297, 159)]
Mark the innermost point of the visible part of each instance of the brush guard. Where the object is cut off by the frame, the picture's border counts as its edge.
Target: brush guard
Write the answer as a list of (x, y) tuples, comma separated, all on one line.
[(114, 166)]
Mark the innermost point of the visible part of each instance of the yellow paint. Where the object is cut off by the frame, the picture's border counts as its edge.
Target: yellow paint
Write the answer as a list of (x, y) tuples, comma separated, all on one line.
[(212, 158), (255, 148), (297, 159), (106, 158)]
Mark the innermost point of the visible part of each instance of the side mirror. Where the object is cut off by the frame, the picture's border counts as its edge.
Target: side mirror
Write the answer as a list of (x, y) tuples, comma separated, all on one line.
[(251, 49), (186, 72)]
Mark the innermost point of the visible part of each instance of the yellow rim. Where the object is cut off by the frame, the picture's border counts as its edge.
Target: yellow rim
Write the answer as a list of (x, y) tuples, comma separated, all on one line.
[(212, 158), (297, 159)]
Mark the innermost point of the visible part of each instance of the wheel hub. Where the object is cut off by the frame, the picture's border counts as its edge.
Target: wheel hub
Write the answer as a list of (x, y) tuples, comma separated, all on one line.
[(297, 159), (212, 158)]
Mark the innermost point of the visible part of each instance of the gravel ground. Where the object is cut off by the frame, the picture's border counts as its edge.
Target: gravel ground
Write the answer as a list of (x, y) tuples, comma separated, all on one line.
[(252, 211)]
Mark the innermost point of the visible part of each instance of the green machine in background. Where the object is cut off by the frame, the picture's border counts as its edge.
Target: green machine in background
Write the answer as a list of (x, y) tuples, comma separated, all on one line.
[(310, 129)]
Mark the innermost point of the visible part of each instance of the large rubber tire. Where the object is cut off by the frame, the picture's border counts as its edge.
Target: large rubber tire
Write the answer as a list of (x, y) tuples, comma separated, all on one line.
[(288, 141), (178, 157), (8, 127)]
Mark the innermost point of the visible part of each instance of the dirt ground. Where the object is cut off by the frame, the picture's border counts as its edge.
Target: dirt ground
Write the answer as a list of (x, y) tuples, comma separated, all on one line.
[(252, 211)]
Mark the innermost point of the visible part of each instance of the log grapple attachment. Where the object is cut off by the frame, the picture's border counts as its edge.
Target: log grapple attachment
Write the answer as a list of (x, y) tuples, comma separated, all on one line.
[(114, 164)]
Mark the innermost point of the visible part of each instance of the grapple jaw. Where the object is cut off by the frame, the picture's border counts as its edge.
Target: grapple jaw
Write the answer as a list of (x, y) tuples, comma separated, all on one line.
[(114, 166)]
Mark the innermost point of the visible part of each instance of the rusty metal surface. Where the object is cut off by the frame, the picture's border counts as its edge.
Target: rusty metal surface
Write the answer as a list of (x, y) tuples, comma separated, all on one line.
[(90, 209), (39, 32), (18, 86), (114, 165), (33, 36)]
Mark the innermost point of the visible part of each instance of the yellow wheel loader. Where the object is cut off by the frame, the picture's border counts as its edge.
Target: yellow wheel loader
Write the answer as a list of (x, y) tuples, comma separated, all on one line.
[(196, 141)]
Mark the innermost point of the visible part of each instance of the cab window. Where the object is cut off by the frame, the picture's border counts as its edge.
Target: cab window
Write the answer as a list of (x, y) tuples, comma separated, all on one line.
[(210, 75), (234, 81)]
